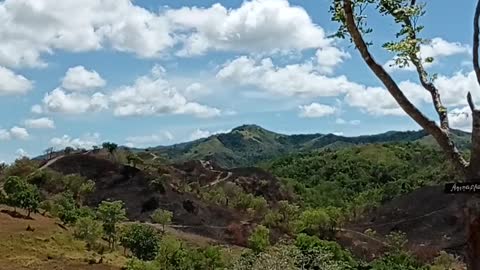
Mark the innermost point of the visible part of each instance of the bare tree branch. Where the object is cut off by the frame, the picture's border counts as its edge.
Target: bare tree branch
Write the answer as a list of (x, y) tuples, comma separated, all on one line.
[(440, 135), (470, 102)]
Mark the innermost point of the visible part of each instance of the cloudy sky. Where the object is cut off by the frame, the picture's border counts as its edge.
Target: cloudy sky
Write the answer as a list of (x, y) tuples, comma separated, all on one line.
[(145, 73)]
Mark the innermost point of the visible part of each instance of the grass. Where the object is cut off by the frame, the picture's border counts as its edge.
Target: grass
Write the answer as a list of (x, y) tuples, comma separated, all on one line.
[(48, 246)]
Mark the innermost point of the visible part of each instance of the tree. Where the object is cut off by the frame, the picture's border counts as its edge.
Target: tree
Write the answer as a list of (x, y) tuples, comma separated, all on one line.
[(64, 207), (68, 150), (21, 194), (30, 199), (259, 240), (89, 230), (12, 187), (134, 160), (111, 147), (86, 188), (142, 240), (111, 213), (49, 152), (163, 217), (406, 13)]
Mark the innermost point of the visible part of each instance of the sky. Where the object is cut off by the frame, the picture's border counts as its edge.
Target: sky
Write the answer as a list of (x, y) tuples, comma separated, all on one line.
[(146, 73)]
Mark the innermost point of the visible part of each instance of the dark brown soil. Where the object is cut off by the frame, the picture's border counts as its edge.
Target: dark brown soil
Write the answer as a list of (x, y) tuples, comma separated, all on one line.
[(431, 219)]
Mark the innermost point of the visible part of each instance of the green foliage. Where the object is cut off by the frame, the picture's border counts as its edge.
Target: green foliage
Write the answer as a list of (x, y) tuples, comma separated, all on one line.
[(65, 208), (111, 147), (316, 222), (283, 217), (21, 194), (163, 217), (111, 213), (89, 230), (397, 257), (360, 178), (142, 240), (259, 240)]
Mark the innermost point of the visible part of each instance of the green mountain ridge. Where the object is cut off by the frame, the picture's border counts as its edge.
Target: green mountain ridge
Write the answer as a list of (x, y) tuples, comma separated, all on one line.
[(248, 145)]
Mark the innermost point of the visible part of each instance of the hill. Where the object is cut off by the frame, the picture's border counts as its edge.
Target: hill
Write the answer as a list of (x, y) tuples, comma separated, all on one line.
[(249, 145)]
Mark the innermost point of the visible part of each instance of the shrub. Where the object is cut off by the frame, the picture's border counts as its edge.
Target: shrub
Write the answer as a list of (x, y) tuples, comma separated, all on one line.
[(259, 239), (163, 217), (89, 230), (142, 240), (111, 213)]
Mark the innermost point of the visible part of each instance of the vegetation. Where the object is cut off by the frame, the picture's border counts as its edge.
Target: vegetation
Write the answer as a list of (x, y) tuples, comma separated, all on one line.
[(142, 240), (163, 217), (89, 230), (21, 194), (111, 214)]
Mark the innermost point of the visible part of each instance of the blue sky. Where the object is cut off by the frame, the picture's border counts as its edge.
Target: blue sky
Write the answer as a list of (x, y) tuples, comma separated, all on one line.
[(146, 73)]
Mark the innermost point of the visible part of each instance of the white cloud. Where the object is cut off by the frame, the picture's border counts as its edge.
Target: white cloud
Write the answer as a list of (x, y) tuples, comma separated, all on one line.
[(330, 57), (40, 123), (13, 84), (200, 133), (341, 121), (19, 133), (153, 95), (73, 103), (291, 80), (87, 141), (37, 109), (256, 26), (315, 110), (461, 118), (378, 101), (31, 28), (21, 153), (454, 89), (79, 79), (149, 140), (4, 135), (338, 133), (195, 90), (438, 48)]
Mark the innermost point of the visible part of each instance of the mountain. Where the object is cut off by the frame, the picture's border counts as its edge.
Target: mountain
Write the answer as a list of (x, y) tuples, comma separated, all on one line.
[(247, 145)]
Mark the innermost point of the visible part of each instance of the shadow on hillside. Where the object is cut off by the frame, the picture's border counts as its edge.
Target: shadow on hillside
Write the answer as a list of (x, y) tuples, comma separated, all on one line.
[(15, 214)]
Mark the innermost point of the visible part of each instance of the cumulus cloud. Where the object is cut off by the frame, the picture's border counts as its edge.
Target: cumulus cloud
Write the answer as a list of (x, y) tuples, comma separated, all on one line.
[(37, 109), (32, 28), (256, 26), (149, 140), (378, 101), (86, 141), (316, 110), (21, 153), (40, 123), (59, 101), (80, 79), (454, 89), (330, 57), (438, 48), (200, 133), (196, 90), (19, 133), (152, 94), (291, 80), (13, 84), (461, 118)]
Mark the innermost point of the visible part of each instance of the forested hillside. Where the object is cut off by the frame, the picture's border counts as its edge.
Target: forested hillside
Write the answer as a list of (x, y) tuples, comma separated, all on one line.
[(248, 145)]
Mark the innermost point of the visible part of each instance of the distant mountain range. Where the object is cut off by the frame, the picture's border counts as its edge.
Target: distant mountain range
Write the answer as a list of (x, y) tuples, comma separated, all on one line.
[(248, 145)]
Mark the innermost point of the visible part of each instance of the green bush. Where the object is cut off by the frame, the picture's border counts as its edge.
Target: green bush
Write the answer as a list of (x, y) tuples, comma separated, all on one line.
[(142, 240), (89, 230), (259, 239)]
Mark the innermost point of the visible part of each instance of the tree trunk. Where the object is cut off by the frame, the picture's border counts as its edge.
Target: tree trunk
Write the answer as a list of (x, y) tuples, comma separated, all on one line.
[(472, 213)]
